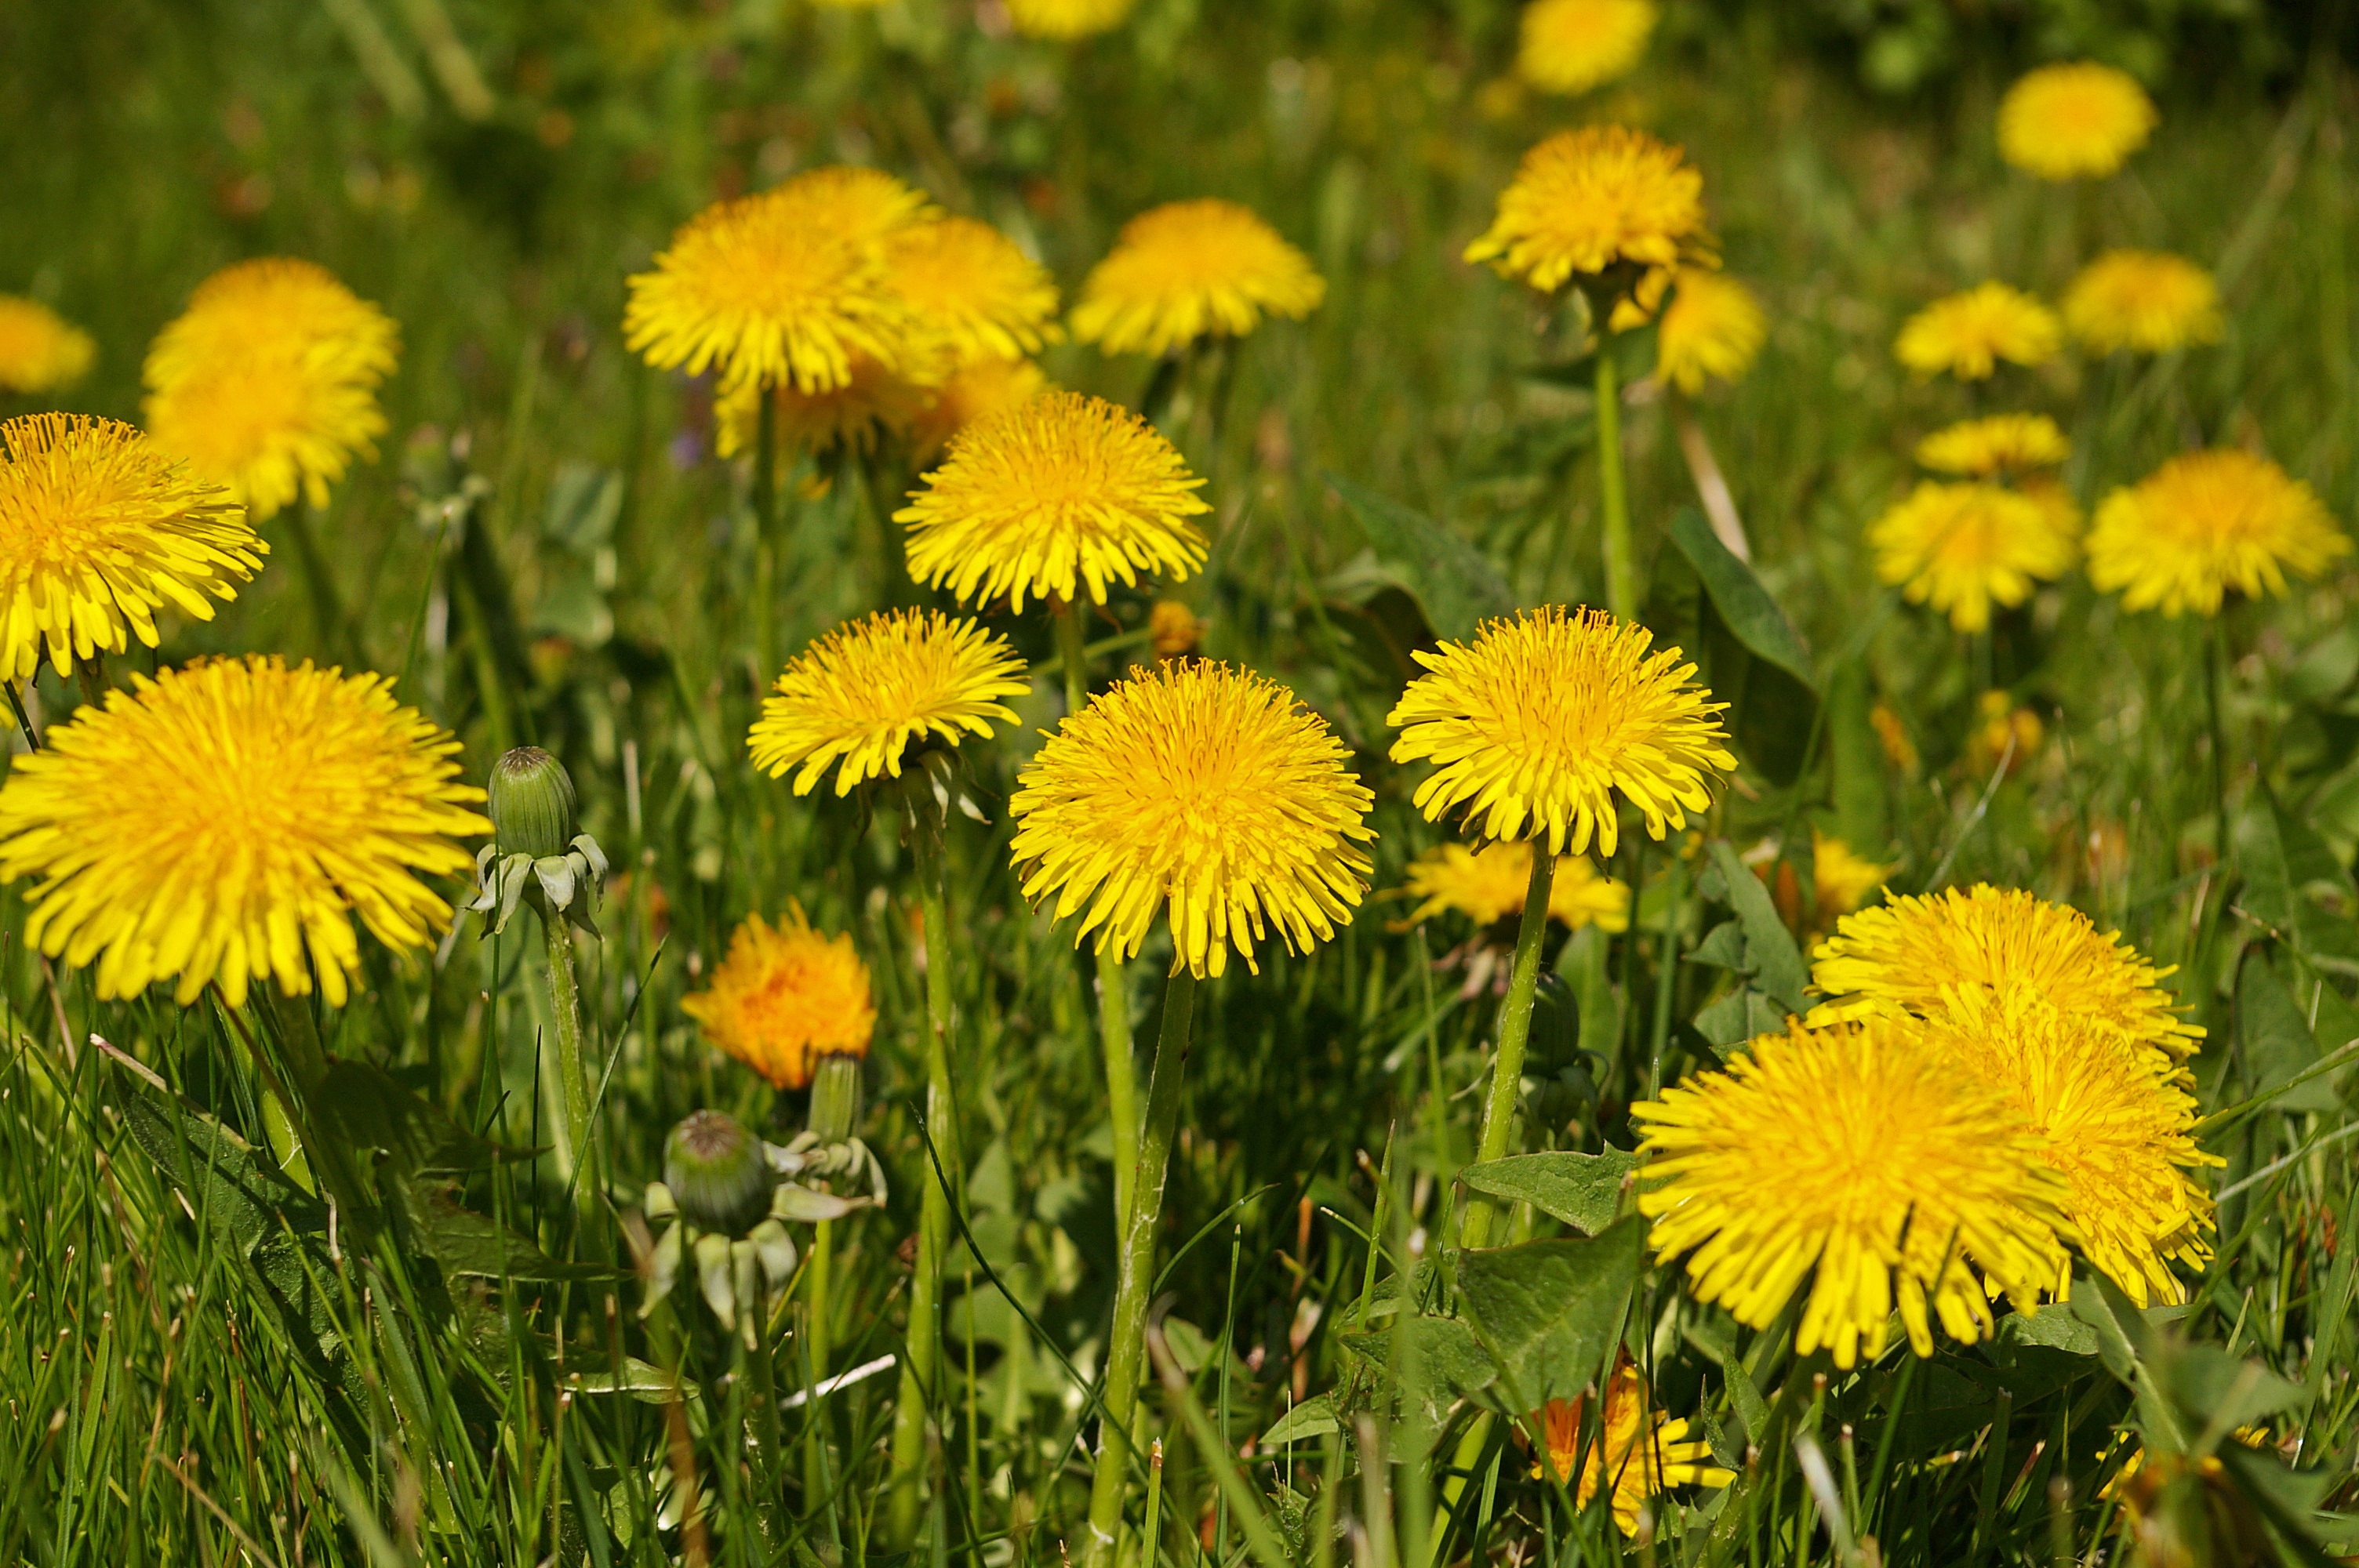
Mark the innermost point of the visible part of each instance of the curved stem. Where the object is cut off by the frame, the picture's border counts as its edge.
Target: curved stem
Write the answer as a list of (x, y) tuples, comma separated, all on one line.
[(1514, 1033), (1620, 571)]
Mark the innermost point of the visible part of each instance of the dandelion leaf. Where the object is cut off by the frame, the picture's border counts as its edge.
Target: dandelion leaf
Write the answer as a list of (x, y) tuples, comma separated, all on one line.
[(1549, 1312), (1453, 582), (1583, 1191)]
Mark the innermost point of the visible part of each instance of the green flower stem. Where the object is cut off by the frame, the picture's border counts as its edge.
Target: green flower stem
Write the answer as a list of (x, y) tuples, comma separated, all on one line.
[(576, 1130), (1514, 1033), (2212, 653), (1621, 570), (1135, 1280), (1666, 961), (1114, 984), (766, 534), (922, 1363), (817, 1285), (327, 605)]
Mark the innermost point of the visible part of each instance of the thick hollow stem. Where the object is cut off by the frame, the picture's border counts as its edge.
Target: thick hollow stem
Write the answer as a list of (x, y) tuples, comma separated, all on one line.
[(1514, 1033), (575, 1063), (765, 532), (2211, 655), (1620, 571), (1135, 1280)]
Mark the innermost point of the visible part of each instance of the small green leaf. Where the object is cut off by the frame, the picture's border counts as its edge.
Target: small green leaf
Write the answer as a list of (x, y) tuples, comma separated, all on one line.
[(2053, 1326), (1743, 603), (1722, 947), (1446, 1362), (1550, 1311), (2278, 1043), (1583, 1191), (1314, 1417), (1456, 584)]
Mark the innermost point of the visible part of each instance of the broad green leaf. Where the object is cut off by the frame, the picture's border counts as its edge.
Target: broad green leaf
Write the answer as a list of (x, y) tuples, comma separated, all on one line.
[(372, 1109), (1769, 950), (2283, 858), (1722, 947), (1745, 650), (1583, 1191), (2053, 1326), (1863, 800), (1314, 1417), (1597, 1005), (1743, 603), (465, 1242), (1550, 1311), (1446, 1362), (2276, 1038), (1454, 583), (1741, 1015)]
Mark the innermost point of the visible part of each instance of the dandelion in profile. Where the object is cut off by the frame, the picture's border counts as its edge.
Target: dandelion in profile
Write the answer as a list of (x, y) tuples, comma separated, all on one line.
[(1572, 46), (1853, 1160), (99, 530), (1910, 954), (974, 288), (1205, 788), (2079, 121), (1967, 334), (1712, 327), (2142, 302), (1059, 496), (1593, 198), (862, 694), (1995, 446), (1644, 1452), (1067, 18), (1488, 884), (267, 381), (2205, 523), (784, 997), (1190, 270), (1962, 548), (41, 351), (1537, 724), (222, 823)]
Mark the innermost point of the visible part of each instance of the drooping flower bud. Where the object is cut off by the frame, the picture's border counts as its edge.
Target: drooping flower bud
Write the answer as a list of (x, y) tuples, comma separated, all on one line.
[(835, 1097), (716, 1172), (532, 804)]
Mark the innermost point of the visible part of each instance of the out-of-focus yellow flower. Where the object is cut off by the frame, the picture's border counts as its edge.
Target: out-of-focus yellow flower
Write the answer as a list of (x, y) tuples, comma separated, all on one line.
[(973, 287), (1993, 445), (1067, 18), (1572, 46), (784, 997), (1189, 270), (874, 405), (1712, 327), (2073, 122), (984, 389), (1588, 200), (1487, 884), (2147, 302), (1966, 334), (1205, 788), (2205, 523), (1842, 877), (1172, 628), (1644, 1452), (41, 351), (1965, 547), (1893, 735), (1999, 723)]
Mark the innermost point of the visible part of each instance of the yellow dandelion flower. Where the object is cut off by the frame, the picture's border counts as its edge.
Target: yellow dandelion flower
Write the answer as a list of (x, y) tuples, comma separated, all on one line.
[(984, 389), (1189, 270), (1591, 198), (2003, 730), (1205, 788), (2148, 302), (225, 821), (787, 287), (866, 690), (1535, 724), (784, 997), (1067, 18), (1842, 877), (1572, 46), (1644, 1452), (41, 351), (1966, 334), (1993, 445), (267, 381), (1892, 734), (973, 287), (1712, 327), (1060, 494), (2073, 122), (874, 405), (2113, 1120), (1172, 628), (98, 531), (2205, 523), (1853, 1150), (1487, 884), (1965, 547), (1911, 953)]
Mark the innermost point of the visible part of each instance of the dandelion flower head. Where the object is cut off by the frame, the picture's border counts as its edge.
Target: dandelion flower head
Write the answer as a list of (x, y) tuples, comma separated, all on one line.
[(1712, 327), (1209, 789), (2205, 523), (785, 996), (1067, 18), (224, 822), (1537, 723), (40, 352), (1910, 953), (267, 381), (1966, 334), (871, 406), (1588, 200), (99, 530), (1962, 547), (1646, 1453), (1993, 445), (1854, 1152), (1488, 884), (1842, 877), (861, 694), (1572, 46), (1173, 630), (2073, 122), (971, 286), (1057, 496), (1189, 270), (2148, 302), (977, 392)]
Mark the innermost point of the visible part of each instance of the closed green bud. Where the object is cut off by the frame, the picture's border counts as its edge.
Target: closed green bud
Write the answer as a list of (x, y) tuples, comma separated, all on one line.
[(835, 1097), (532, 803), (716, 1172)]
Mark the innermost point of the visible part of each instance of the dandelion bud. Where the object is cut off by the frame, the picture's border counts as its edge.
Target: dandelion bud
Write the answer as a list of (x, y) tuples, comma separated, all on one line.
[(836, 1099), (532, 803), (716, 1173)]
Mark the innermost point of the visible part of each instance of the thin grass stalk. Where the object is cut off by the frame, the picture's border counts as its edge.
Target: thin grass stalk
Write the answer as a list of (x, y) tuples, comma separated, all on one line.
[(1135, 1281), (1514, 1033), (1621, 569), (1115, 1035)]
